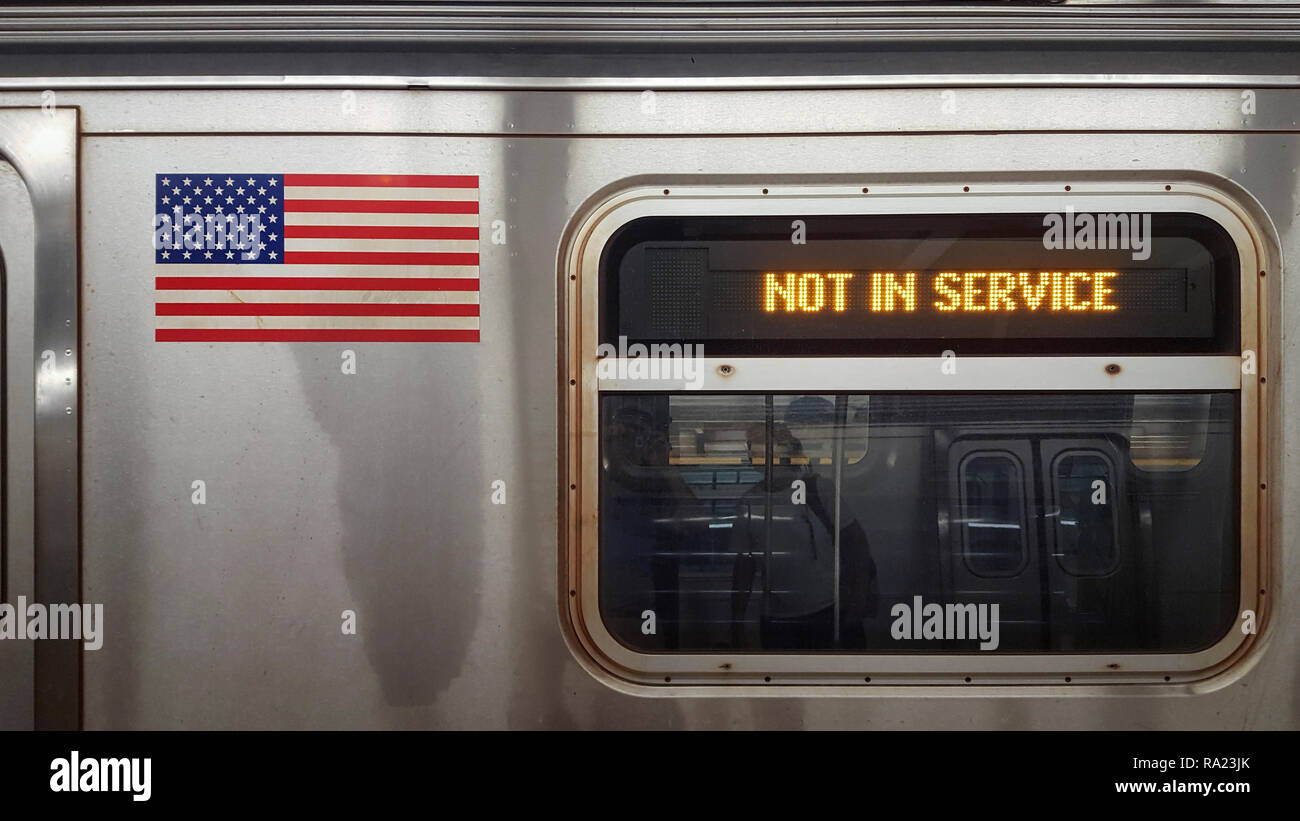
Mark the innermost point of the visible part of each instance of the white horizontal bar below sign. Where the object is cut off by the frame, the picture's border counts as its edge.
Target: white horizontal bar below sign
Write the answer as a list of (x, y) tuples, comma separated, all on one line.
[(965, 373)]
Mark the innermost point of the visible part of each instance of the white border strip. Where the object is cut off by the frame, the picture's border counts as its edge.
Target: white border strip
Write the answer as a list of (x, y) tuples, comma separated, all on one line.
[(972, 373)]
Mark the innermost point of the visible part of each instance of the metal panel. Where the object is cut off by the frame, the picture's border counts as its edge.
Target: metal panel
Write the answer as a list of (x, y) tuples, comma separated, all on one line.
[(17, 256), (42, 147), (372, 491)]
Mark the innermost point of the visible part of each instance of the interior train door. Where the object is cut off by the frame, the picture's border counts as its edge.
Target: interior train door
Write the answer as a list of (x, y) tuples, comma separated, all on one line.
[(39, 428), (993, 553), (1036, 521)]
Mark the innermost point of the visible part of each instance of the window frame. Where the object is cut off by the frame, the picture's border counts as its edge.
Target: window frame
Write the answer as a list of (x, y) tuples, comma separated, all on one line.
[(737, 673)]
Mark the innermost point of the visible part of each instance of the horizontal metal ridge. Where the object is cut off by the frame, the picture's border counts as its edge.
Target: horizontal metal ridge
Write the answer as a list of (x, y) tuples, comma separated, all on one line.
[(651, 23), (849, 82)]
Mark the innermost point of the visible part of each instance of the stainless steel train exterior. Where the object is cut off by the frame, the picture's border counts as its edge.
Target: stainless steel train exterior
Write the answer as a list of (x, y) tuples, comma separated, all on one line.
[(443, 492)]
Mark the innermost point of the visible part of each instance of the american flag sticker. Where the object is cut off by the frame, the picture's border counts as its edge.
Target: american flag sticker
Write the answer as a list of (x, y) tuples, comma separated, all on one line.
[(316, 258)]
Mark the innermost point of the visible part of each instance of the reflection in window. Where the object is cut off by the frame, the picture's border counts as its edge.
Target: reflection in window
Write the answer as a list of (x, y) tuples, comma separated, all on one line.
[(993, 514), (704, 430), (1169, 431), (731, 518), (1085, 522), (720, 514)]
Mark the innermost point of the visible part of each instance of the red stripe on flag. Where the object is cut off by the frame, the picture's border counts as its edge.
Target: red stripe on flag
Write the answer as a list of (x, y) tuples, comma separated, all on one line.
[(383, 206), (312, 309), (378, 258), (379, 232), (310, 335), (394, 180), (316, 283)]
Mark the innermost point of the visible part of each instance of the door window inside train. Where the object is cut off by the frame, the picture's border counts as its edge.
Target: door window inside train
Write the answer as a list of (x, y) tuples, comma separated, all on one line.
[(992, 514), (763, 523), (1084, 525)]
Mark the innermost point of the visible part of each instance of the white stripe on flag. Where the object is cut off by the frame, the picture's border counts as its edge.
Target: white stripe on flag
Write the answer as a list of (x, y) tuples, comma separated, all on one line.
[(420, 245), (450, 323), (333, 218), (315, 297), (305, 192), (292, 270)]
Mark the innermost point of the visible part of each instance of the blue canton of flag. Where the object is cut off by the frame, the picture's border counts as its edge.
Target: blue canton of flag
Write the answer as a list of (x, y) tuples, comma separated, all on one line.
[(206, 219)]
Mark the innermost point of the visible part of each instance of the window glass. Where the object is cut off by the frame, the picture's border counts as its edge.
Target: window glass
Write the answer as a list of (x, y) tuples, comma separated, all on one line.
[(1084, 523), (992, 514), (764, 522), (1169, 431)]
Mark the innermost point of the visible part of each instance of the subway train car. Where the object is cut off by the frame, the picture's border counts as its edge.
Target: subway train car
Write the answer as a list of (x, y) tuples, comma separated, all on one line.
[(665, 365)]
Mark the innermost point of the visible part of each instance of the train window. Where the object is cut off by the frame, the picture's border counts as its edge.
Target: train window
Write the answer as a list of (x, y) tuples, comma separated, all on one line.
[(824, 446), (992, 515), (777, 547)]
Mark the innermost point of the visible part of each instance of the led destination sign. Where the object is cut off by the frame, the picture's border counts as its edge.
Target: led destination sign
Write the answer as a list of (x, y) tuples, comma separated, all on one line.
[(812, 292), (904, 283)]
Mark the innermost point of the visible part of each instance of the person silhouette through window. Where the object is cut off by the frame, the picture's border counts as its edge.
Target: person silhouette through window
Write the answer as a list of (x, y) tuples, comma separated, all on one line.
[(785, 535)]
